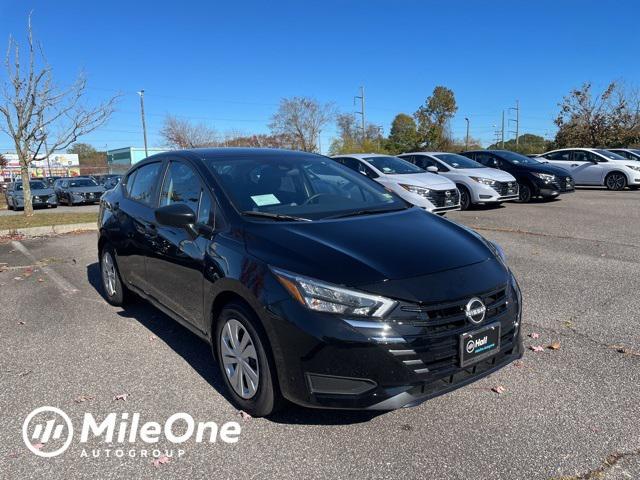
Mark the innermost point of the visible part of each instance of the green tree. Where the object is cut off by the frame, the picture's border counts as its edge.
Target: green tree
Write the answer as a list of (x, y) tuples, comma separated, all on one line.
[(433, 118), (527, 144), (350, 138), (82, 149), (403, 136)]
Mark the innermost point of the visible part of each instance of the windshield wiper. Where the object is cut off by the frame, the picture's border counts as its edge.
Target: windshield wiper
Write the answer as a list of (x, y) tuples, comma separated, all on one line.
[(275, 216), (371, 211)]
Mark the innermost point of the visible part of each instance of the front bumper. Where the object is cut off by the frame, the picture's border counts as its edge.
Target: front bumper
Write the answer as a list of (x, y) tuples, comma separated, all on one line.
[(78, 199), (485, 194), (559, 186), (330, 362)]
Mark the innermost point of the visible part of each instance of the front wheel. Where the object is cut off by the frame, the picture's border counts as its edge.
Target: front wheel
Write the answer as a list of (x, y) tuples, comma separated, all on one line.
[(241, 351), (615, 181), (524, 194), (465, 198)]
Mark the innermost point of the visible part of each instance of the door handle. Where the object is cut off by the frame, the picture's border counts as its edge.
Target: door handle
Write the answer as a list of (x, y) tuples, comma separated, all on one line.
[(575, 165)]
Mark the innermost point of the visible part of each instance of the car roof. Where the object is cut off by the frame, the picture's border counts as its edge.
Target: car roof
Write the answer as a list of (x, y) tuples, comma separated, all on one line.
[(362, 156), (429, 153)]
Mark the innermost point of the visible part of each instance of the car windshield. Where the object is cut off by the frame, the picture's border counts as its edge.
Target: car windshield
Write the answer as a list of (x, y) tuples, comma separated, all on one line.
[(393, 165), (517, 158), (35, 185), (609, 155), (458, 161), (307, 187), (82, 182)]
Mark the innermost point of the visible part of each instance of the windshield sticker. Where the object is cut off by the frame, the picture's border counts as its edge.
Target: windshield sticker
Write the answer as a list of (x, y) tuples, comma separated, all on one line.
[(265, 200)]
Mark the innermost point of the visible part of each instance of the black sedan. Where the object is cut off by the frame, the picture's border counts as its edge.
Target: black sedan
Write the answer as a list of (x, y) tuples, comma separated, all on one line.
[(41, 195), (310, 281), (535, 179), (78, 190)]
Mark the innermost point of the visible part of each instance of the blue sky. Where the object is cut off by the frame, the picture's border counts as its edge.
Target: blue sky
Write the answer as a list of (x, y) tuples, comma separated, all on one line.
[(228, 64)]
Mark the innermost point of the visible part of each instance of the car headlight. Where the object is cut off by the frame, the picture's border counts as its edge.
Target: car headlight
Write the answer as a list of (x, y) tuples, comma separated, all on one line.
[(325, 297), (416, 189), (484, 181), (634, 167), (545, 177)]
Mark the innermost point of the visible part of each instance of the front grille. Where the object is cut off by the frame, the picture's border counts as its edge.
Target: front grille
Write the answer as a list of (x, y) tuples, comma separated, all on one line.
[(444, 198), (506, 188), (563, 184), (433, 331)]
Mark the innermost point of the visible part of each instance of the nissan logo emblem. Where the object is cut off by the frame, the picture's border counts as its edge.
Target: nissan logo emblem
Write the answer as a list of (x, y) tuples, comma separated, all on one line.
[(475, 310)]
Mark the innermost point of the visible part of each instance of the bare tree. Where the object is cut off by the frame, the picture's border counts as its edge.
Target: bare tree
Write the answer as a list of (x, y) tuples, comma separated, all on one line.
[(35, 110), (301, 119), (3, 161), (179, 133)]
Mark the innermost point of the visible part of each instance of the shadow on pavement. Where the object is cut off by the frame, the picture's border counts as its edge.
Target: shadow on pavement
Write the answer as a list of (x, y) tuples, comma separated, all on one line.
[(198, 354)]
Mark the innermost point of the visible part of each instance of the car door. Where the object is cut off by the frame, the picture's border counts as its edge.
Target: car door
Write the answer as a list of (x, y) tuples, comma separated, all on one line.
[(176, 265), (135, 215), (585, 168)]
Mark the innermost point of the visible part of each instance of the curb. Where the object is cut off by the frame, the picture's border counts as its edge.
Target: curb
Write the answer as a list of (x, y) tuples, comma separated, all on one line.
[(49, 229)]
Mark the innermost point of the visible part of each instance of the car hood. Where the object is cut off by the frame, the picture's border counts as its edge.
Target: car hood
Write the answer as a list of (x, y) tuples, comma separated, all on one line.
[(96, 189), (545, 168), (427, 180), (42, 192), (368, 249), (491, 173)]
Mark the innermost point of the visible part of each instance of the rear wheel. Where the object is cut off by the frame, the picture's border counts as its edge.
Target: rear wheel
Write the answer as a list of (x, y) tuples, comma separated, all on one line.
[(9, 205), (615, 181), (242, 353), (114, 290), (524, 194), (465, 198)]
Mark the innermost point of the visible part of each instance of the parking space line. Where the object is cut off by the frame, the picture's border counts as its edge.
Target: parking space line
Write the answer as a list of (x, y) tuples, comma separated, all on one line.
[(61, 282)]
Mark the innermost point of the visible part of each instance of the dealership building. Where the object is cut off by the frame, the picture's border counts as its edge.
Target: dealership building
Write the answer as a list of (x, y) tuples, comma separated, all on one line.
[(56, 164), (125, 157)]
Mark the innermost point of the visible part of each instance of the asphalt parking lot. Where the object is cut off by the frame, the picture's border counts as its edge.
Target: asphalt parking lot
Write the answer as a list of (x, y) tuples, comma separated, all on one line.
[(572, 412), (59, 209)]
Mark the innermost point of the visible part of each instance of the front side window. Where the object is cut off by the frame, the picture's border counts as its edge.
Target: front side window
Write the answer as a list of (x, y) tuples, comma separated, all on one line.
[(144, 182), (393, 165), (181, 185), (563, 156), (307, 186)]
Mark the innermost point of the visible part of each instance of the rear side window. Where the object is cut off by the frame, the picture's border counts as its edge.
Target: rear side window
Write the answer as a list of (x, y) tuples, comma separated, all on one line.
[(144, 182), (181, 185), (564, 155)]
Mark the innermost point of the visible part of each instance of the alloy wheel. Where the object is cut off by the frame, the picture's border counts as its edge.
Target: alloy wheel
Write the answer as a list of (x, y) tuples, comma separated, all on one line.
[(239, 358), (616, 181), (465, 200), (109, 274)]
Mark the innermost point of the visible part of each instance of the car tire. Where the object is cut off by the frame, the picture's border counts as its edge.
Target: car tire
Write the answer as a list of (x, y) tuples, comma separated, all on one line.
[(114, 291), (9, 206), (235, 323), (615, 181), (524, 193), (465, 197)]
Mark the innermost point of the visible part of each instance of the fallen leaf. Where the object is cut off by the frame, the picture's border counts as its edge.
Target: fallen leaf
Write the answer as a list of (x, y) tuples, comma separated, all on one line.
[(25, 373), (244, 415), (152, 338), (21, 322), (40, 279), (499, 389), (122, 396), (37, 446), (84, 398), (554, 345), (537, 348), (13, 455), (161, 461), (534, 335), (518, 364), (17, 278)]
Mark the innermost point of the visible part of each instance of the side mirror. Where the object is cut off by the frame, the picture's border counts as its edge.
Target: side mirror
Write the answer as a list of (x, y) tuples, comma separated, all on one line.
[(176, 215), (432, 169)]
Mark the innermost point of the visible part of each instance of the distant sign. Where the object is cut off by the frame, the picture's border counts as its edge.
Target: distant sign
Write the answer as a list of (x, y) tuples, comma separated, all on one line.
[(56, 160)]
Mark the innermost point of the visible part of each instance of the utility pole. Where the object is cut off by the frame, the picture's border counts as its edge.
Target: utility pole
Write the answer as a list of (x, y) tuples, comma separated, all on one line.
[(466, 141), (361, 112), (144, 125), (517, 121), (502, 129)]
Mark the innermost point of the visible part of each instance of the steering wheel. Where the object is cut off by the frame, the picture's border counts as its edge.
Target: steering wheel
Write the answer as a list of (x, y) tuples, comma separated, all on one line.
[(317, 195)]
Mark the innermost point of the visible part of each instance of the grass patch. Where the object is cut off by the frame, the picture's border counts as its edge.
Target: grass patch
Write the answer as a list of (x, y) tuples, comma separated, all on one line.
[(9, 222)]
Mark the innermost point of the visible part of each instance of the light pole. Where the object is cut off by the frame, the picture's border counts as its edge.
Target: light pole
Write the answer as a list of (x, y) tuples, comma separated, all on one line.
[(466, 141), (144, 125)]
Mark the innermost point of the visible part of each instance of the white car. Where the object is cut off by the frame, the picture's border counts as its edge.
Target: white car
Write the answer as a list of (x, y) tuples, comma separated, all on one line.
[(476, 183), (595, 166), (427, 190), (628, 153)]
